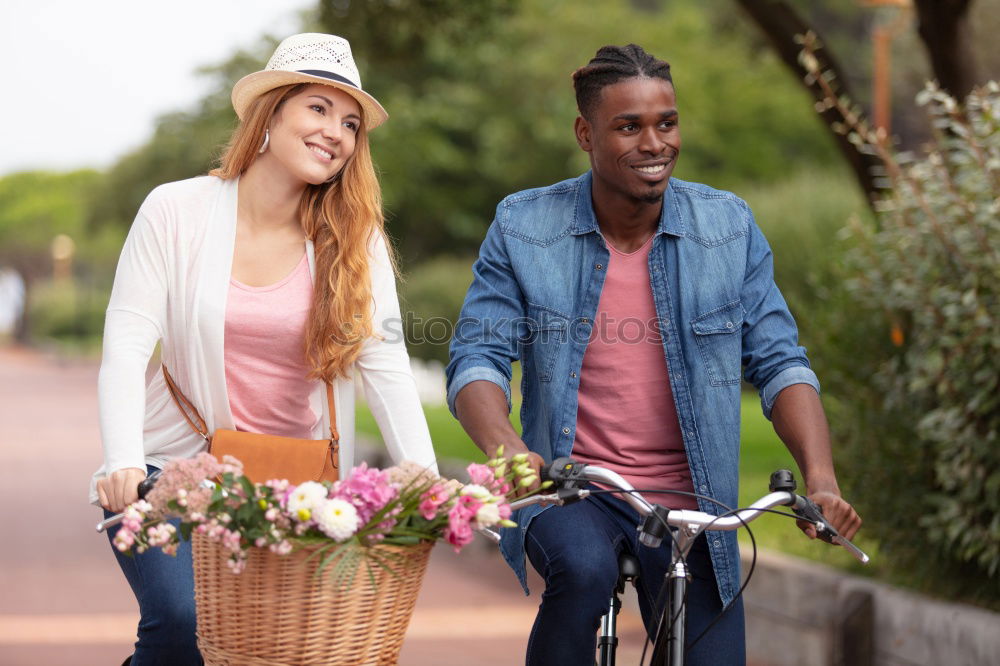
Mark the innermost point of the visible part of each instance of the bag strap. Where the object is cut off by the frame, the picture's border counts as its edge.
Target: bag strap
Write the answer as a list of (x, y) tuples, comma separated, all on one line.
[(334, 435), (183, 404), (198, 424)]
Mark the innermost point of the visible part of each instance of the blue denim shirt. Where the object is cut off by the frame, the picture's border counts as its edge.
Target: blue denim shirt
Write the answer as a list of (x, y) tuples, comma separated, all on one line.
[(534, 297)]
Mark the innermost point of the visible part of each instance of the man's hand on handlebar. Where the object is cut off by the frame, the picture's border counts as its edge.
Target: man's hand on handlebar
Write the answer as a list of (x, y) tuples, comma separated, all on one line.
[(841, 515), (120, 488), (482, 409), (517, 451)]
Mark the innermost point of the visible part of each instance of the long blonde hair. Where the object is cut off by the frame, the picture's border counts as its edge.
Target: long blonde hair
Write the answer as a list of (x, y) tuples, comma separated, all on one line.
[(343, 219)]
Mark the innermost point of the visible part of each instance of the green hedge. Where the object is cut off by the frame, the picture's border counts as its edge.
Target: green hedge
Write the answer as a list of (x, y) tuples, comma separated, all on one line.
[(68, 313), (917, 354)]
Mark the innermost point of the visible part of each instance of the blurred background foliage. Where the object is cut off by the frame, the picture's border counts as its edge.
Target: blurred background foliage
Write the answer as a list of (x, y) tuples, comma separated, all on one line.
[(481, 105), (918, 403)]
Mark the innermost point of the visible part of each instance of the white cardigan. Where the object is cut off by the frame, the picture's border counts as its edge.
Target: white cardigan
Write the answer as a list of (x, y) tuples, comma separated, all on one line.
[(171, 287)]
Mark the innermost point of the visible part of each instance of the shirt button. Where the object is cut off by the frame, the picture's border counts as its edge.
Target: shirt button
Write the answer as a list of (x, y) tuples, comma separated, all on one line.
[(717, 543), (585, 320), (729, 324), (565, 431), (599, 266), (572, 374), (703, 488)]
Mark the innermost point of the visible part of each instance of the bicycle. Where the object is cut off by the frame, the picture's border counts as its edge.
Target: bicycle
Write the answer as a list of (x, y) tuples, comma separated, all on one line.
[(569, 478)]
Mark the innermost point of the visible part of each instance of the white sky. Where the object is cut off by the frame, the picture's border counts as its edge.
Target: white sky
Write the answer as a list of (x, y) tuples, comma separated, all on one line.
[(84, 80)]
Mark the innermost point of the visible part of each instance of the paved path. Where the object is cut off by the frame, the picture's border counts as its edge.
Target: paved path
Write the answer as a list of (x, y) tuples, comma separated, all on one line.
[(64, 601)]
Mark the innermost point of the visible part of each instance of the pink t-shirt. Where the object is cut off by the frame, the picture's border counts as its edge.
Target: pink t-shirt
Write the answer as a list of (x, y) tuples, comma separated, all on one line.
[(265, 355), (626, 419)]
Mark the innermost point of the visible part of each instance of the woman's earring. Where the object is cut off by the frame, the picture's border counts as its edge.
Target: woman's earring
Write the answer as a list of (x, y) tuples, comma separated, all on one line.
[(267, 140)]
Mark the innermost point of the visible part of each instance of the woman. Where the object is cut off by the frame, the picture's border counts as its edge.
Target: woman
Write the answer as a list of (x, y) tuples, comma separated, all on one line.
[(261, 282)]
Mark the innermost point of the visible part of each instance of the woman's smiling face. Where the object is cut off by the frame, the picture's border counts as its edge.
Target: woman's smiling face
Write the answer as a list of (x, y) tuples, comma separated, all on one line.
[(314, 132)]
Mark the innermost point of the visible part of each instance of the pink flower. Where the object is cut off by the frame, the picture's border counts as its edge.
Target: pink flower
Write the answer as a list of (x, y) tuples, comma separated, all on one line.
[(231, 465), (184, 474), (432, 500), (198, 501), (369, 490), (467, 506), (281, 548), (480, 474), (236, 563), (460, 519), (124, 539), (458, 534)]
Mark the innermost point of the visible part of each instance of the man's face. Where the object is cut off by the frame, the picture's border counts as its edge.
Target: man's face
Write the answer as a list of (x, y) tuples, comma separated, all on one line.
[(633, 139)]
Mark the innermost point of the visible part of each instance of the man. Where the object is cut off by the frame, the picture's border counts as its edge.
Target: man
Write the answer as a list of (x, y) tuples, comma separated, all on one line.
[(632, 300)]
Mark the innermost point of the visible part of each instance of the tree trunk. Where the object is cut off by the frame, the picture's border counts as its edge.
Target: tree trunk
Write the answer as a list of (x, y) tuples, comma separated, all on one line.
[(944, 29), (781, 24)]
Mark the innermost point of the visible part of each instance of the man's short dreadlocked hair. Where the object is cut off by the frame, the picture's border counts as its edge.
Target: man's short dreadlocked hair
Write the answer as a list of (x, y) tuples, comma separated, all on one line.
[(611, 65)]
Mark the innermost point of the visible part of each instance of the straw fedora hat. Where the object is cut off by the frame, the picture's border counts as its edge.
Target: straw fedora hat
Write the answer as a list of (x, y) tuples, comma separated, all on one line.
[(310, 57)]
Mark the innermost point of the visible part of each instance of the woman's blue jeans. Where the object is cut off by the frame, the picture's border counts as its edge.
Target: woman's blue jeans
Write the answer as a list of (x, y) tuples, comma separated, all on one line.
[(164, 587), (575, 549)]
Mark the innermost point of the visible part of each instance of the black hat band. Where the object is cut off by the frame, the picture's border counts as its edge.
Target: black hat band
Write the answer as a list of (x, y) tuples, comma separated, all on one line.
[(329, 75)]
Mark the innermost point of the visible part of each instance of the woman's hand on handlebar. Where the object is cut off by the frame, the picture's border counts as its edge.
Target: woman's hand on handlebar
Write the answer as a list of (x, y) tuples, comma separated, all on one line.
[(120, 488)]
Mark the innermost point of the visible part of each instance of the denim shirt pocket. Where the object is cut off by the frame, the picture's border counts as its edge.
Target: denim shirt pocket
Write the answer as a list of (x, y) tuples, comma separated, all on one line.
[(718, 333), (547, 331)]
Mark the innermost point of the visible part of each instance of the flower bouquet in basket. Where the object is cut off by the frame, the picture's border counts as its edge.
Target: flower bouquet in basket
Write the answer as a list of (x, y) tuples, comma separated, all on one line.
[(276, 564)]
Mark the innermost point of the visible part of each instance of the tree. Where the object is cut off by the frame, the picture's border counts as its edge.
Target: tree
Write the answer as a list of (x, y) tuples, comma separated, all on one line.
[(482, 105), (943, 27), (782, 25), (481, 102)]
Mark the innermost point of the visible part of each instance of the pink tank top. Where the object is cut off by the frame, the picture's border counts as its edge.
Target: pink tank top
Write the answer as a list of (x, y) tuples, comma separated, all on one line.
[(265, 355), (626, 419)]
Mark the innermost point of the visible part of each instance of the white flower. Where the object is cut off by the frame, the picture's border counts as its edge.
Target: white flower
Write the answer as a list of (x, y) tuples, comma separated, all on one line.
[(337, 518), (308, 496), (477, 491), (488, 515)]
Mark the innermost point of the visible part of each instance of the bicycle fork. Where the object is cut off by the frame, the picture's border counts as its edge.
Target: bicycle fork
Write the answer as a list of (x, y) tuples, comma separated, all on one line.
[(669, 647)]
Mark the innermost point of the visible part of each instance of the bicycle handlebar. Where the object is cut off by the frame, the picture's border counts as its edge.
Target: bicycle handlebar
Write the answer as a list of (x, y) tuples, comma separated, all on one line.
[(569, 475)]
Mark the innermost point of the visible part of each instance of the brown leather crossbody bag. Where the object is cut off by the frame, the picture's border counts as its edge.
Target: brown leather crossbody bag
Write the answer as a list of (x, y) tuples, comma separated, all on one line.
[(267, 457)]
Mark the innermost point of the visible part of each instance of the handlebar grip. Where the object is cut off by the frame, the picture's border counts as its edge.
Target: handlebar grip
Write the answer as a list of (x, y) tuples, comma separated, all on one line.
[(147, 484)]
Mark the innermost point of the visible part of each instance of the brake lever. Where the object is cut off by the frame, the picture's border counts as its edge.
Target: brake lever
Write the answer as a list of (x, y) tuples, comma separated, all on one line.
[(560, 497), (565, 472), (808, 510)]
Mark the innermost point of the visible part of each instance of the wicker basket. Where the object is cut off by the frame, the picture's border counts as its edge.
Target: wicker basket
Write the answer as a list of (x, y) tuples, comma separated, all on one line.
[(277, 611)]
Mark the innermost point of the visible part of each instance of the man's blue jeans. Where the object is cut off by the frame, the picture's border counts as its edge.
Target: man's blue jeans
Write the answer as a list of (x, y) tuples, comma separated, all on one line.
[(575, 549), (164, 587)]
